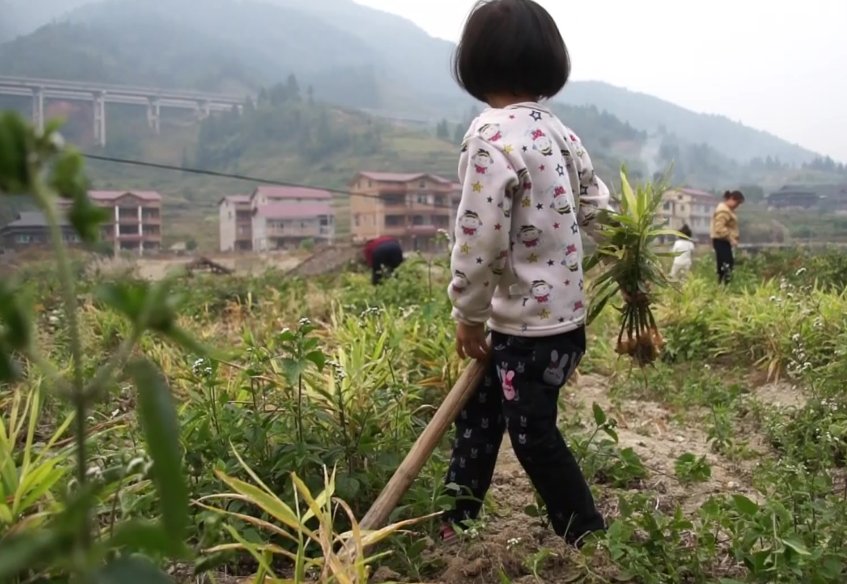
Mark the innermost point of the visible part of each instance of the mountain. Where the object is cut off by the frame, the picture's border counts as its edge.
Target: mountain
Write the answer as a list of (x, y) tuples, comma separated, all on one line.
[(21, 17), (656, 115), (351, 55)]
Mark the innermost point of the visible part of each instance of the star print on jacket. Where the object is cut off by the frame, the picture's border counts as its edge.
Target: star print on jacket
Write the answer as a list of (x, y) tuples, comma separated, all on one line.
[(529, 192)]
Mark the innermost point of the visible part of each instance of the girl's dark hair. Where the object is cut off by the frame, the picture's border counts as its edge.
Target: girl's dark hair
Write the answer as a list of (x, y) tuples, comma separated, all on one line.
[(737, 195), (686, 231), (511, 46)]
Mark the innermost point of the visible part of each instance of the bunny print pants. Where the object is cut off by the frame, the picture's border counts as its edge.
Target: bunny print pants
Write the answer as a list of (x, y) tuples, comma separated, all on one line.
[(519, 394)]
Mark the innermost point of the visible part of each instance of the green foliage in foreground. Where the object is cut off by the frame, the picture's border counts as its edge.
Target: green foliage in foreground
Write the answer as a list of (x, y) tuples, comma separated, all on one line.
[(128, 451)]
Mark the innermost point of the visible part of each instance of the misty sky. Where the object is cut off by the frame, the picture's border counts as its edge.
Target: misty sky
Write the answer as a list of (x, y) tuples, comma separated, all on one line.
[(778, 65)]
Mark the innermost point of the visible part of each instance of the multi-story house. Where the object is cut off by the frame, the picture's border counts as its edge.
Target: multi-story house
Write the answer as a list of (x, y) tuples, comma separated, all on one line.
[(276, 218), (689, 206), (236, 223), (412, 207), (30, 230), (133, 223), (135, 220)]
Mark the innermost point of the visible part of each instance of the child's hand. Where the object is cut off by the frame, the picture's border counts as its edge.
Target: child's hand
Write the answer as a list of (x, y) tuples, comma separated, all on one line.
[(471, 341)]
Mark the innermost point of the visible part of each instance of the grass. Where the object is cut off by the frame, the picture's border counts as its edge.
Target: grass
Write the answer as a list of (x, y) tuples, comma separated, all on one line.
[(369, 364), (243, 424)]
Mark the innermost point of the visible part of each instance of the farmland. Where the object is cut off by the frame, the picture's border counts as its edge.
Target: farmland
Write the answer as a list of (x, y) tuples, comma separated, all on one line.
[(725, 460)]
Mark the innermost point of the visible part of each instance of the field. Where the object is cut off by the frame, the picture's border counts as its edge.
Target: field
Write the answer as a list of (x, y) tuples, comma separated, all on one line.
[(724, 462)]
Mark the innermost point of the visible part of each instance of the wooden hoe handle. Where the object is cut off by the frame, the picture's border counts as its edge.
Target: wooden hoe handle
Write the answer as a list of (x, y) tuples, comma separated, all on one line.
[(377, 516)]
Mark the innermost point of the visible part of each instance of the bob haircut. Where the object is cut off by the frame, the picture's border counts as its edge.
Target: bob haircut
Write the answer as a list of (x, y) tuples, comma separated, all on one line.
[(511, 47), (686, 231), (737, 195)]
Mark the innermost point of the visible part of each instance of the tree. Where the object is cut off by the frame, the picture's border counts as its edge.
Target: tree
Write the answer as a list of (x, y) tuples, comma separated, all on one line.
[(293, 88), (442, 131), (752, 193), (459, 135)]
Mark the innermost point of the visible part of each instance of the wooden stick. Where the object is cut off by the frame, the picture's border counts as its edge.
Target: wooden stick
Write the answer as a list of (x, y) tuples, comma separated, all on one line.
[(408, 471)]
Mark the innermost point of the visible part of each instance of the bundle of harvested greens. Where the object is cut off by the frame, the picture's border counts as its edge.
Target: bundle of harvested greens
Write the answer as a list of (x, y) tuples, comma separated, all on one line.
[(632, 266)]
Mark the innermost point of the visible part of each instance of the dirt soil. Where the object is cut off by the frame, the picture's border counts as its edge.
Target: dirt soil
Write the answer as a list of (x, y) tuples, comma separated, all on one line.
[(508, 540), (155, 269), (510, 537)]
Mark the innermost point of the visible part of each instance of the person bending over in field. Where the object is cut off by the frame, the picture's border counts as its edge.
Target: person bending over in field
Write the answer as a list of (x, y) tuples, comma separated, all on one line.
[(383, 255), (725, 235), (683, 247), (529, 192)]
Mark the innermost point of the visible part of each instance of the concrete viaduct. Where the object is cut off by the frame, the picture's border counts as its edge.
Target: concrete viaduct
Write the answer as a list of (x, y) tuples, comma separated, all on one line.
[(100, 94)]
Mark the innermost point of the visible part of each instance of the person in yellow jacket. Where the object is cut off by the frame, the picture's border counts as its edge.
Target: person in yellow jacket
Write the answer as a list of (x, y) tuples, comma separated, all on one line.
[(725, 235)]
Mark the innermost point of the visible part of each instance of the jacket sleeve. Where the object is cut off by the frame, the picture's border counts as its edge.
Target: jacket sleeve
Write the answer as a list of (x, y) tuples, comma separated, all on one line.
[(593, 195), (482, 229)]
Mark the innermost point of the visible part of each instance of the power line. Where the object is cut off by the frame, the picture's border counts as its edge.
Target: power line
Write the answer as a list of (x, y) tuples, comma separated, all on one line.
[(226, 175)]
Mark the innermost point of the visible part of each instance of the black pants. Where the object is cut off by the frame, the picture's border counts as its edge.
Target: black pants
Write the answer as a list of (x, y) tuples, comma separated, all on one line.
[(520, 394), (387, 257), (725, 260)]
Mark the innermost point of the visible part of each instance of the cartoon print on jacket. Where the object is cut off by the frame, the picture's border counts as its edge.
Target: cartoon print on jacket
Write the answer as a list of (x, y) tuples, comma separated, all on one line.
[(498, 266), (460, 282), (471, 223), (541, 291), (524, 180), (529, 236), (561, 202), (506, 205), (490, 132), (541, 142), (482, 161), (571, 258)]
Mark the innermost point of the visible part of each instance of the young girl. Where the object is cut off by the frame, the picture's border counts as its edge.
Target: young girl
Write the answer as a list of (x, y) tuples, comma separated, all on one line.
[(529, 193), (683, 247)]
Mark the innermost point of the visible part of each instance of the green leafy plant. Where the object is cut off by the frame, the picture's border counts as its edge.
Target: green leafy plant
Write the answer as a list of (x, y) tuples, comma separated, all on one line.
[(632, 266), (38, 164), (27, 481), (690, 468), (343, 557)]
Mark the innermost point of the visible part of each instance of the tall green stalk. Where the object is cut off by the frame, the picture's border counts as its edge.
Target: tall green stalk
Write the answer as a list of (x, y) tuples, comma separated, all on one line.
[(42, 196)]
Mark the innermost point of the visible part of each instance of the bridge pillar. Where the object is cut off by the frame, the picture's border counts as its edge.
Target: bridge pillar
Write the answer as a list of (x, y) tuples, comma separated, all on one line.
[(100, 117), (154, 114), (38, 108), (204, 110)]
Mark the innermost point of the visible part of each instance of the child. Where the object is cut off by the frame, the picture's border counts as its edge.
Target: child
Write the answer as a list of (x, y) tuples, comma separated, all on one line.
[(683, 248), (529, 192)]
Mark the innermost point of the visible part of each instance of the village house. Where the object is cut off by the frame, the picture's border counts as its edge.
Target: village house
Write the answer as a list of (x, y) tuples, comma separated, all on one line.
[(134, 223), (30, 230), (827, 198), (412, 207), (692, 207), (276, 218), (135, 220), (236, 223)]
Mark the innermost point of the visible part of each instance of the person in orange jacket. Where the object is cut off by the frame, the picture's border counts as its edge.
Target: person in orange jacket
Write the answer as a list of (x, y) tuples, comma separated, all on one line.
[(383, 255)]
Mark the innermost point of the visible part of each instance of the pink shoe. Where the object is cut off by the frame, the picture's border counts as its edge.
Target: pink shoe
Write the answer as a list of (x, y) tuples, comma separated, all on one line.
[(448, 534)]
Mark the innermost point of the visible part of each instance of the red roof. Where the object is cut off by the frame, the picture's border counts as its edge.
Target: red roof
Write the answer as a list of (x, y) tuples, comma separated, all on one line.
[(114, 195), (274, 192), (401, 177), (294, 210)]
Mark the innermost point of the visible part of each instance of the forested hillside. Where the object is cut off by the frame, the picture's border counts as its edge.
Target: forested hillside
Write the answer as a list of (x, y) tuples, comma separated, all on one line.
[(351, 55)]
